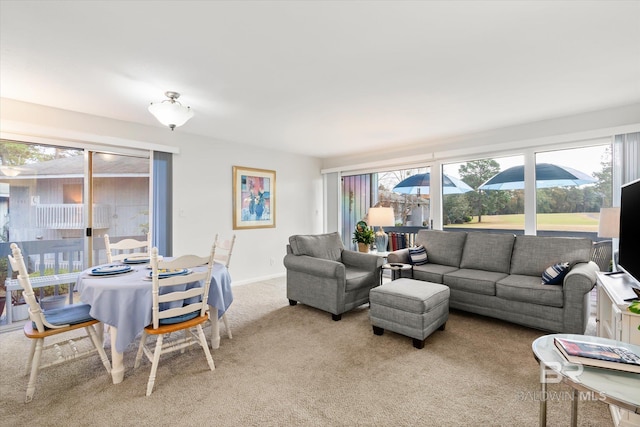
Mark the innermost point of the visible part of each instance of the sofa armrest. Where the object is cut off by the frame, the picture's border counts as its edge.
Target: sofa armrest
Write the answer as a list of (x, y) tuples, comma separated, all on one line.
[(314, 266), (582, 278), (576, 287), (361, 260), (400, 256)]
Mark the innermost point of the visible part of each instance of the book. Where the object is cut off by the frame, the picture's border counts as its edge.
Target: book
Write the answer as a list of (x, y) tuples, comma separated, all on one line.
[(598, 355)]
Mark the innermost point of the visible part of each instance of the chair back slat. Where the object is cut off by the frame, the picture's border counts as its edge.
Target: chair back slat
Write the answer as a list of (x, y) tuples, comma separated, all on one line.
[(125, 248), (185, 261), (36, 314), (182, 294)]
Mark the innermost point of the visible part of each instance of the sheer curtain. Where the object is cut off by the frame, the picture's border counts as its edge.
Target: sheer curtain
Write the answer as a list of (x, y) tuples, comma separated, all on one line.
[(626, 167), (626, 162)]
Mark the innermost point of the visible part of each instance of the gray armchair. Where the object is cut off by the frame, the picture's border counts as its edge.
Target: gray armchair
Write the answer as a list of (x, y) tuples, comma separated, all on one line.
[(323, 274)]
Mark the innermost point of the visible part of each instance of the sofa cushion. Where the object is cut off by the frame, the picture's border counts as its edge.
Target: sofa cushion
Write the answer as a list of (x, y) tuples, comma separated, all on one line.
[(443, 247), (529, 289), (356, 278), (431, 272), (533, 254), (476, 281), (68, 315), (327, 246), (488, 251), (554, 274), (418, 255), (410, 296)]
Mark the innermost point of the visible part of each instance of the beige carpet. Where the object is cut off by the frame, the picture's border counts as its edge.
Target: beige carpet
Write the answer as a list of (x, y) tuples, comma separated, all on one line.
[(295, 366)]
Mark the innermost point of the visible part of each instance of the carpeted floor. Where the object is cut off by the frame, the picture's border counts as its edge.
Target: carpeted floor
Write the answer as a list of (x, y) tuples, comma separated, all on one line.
[(295, 366)]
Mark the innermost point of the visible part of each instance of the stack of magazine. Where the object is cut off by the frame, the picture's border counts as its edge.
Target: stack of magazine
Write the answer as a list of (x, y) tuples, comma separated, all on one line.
[(598, 355)]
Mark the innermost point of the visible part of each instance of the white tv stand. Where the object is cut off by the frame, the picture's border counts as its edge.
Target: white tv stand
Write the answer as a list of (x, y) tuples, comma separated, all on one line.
[(614, 321)]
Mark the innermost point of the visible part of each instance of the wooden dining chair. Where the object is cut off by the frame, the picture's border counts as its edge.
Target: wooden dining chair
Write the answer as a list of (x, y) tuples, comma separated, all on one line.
[(224, 249), (126, 248), (57, 322), (177, 306)]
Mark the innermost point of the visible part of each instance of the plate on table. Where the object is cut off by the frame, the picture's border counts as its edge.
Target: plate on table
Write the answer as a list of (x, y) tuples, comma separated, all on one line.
[(136, 260), (163, 273), (107, 270)]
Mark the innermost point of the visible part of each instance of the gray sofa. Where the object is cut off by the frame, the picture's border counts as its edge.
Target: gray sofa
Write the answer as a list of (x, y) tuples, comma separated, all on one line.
[(323, 274), (500, 275)]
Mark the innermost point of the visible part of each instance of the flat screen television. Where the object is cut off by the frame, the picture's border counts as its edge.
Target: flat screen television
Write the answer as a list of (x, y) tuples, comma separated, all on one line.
[(629, 248)]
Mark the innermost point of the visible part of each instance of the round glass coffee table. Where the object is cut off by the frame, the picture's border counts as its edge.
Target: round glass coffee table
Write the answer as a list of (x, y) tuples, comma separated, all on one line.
[(611, 386)]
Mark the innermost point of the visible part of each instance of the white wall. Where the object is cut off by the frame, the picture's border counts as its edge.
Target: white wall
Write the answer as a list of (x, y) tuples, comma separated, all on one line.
[(545, 133), (203, 198), (202, 181)]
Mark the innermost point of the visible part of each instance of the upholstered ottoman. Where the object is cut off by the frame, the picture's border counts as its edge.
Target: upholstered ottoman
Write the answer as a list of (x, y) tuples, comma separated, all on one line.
[(409, 307)]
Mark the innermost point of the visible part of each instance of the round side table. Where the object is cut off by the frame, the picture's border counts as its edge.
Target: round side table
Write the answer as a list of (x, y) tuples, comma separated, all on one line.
[(397, 268)]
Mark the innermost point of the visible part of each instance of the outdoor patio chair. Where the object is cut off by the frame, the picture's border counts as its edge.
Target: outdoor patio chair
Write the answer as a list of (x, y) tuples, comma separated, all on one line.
[(45, 324), (224, 249), (126, 248), (602, 254), (177, 306)]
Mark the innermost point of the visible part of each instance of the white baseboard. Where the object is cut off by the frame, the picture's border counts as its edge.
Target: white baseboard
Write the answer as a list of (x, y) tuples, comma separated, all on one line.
[(257, 279)]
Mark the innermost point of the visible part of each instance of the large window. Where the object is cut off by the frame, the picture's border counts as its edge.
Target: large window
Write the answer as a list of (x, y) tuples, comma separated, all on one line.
[(518, 194), (571, 187), (466, 203), (397, 189)]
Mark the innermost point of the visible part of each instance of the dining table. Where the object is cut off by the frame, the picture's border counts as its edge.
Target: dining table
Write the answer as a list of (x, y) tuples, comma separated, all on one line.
[(123, 302)]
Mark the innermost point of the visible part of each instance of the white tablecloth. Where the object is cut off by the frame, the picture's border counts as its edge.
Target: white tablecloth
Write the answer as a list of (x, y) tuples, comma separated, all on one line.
[(124, 300)]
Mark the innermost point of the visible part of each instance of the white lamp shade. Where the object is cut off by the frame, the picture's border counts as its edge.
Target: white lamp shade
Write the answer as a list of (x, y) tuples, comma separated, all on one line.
[(609, 225), (381, 217), (170, 114)]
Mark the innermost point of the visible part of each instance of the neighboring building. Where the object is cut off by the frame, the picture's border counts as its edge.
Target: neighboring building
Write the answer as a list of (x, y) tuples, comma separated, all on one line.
[(44, 201)]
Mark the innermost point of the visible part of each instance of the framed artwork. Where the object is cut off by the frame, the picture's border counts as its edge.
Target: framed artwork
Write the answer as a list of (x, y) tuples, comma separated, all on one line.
[(254, 198)]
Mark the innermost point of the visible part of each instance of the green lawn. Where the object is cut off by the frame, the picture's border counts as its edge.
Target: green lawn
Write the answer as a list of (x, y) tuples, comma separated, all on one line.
[(585, 221)]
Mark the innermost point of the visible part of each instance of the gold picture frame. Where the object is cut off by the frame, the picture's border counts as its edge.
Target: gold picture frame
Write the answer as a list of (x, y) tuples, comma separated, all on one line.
[(254, 198)]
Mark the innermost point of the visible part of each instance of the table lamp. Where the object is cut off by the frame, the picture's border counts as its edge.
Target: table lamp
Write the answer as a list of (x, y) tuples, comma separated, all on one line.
[(609, 225), (381, 217)]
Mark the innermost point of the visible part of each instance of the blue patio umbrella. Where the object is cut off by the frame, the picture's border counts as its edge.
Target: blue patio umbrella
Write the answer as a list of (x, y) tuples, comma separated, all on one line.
[(419, 184), (547, 175)]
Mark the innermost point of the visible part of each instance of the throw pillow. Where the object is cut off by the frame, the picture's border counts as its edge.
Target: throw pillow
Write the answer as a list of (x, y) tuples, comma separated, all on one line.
[(418, 255), (554, 274)]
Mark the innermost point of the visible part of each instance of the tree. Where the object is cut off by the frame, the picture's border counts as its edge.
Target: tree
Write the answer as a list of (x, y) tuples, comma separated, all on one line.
[(456, 209), (475, 173), (17, 154), (604, 186), (515, 205)]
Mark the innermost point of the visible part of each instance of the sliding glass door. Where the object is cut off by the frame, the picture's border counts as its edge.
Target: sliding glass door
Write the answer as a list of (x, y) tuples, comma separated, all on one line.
[(120, 192), (51, 199)]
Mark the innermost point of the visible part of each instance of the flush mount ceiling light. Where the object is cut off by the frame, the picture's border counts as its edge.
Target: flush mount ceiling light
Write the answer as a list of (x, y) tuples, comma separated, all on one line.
[(170, 112)]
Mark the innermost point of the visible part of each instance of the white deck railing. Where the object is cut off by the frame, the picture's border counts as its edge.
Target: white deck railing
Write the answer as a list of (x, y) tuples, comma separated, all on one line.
[(65, 216)]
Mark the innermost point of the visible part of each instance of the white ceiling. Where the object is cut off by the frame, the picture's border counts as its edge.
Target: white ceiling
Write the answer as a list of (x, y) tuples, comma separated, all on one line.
[(325, 78)]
